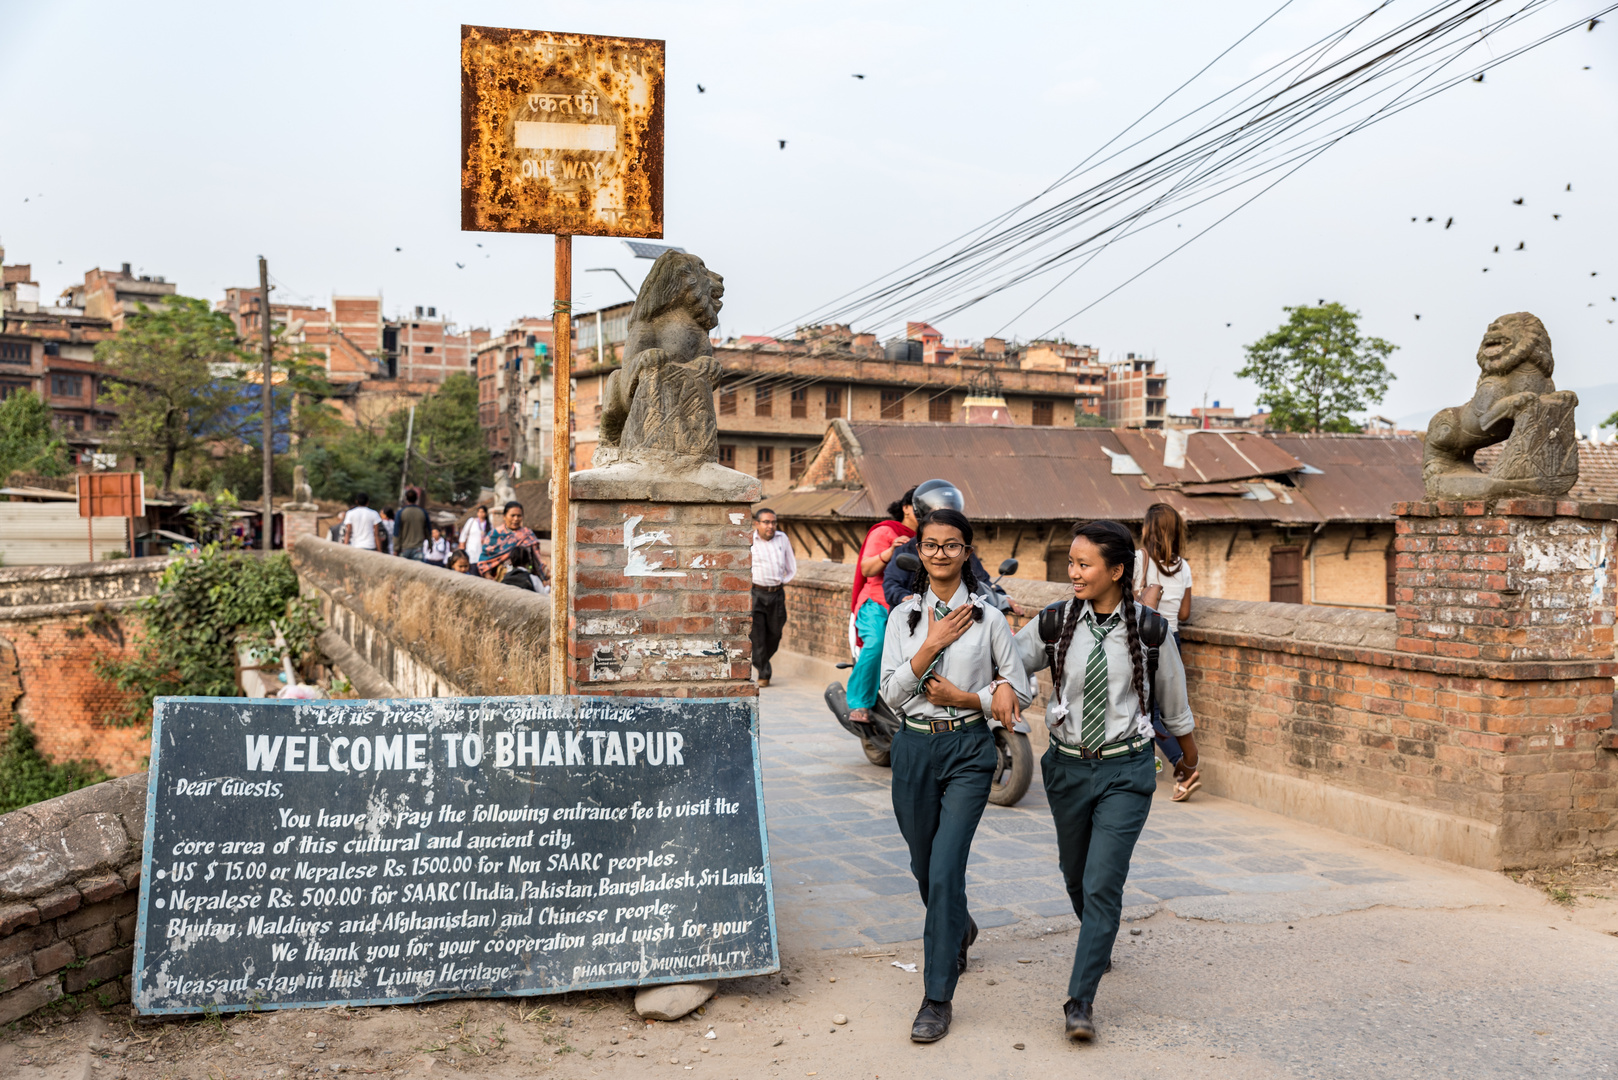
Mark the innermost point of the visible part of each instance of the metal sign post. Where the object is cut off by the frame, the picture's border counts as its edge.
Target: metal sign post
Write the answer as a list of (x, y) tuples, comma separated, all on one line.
[(561, 134)]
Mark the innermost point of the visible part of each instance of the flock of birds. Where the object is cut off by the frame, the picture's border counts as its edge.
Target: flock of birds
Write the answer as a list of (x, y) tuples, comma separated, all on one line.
[(1522, 245)]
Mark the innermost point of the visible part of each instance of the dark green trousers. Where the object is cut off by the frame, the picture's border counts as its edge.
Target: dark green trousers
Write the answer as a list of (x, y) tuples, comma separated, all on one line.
[(940, 787), (1100, 808)]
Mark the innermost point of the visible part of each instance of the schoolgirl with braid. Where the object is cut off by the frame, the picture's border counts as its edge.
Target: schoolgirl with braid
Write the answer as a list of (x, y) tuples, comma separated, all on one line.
[(1100, 772), (949, 663)]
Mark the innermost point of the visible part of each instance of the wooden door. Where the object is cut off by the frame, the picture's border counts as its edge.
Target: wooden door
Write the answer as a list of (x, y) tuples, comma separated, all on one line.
[(1286, 575)]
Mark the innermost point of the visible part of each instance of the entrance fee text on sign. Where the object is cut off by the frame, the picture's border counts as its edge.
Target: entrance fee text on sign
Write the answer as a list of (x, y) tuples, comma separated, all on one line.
[(561, 133), (381, 852)]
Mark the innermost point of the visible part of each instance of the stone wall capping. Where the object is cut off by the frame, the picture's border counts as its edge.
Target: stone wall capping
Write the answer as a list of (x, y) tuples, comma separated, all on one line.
[(655, 481)]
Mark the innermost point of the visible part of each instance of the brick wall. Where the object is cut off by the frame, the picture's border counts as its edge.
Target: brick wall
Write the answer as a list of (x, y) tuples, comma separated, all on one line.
[(661, 599), (69, 879), (55, 623)]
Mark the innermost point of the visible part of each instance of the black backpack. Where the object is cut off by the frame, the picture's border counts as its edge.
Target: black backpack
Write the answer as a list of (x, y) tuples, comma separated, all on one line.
[(1154, 630)]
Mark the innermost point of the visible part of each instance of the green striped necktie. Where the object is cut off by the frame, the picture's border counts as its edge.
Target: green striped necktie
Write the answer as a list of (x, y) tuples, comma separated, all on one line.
[(1093, 725), (940, 609)]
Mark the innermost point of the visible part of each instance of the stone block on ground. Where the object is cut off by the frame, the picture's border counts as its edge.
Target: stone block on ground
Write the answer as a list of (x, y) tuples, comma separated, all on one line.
[(674, 1000)]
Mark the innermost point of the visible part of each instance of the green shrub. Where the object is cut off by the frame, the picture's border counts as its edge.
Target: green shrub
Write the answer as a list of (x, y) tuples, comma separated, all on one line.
[(28, 777), (204, 605)]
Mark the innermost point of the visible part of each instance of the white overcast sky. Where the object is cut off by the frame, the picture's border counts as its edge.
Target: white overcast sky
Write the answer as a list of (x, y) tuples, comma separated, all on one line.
[(188, 139)]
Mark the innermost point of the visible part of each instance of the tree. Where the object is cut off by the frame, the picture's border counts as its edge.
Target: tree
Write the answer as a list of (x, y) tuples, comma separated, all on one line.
[(167, 375), (1316, 369), (27, 441), (448, 456)]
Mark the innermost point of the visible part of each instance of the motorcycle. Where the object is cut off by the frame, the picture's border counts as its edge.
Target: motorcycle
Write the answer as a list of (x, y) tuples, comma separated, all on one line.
[(1014, 770)]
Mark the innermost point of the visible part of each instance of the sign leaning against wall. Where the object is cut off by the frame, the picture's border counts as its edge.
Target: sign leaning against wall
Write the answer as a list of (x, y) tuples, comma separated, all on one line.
[(382, 852), (561, 133)]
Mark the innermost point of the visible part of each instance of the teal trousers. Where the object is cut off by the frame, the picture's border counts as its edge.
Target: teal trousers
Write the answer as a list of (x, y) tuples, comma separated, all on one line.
[(871, 622), (940, 787), (1100, 808)]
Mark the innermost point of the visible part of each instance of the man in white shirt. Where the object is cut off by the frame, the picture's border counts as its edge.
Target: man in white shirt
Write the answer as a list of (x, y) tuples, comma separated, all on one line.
[(773, 567), (362, 526)]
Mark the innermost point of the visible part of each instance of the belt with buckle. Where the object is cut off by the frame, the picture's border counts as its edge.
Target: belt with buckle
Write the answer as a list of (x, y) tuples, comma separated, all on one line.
[(942, 725), (767, 588), (1122, 748)]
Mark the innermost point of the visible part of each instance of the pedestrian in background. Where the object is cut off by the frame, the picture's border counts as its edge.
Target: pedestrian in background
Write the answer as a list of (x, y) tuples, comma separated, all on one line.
[(459, 563), (773, 566), (1163, 583), (475, 533), (438, 548), (512, 547), (1098, 772), (870, 605), (388, 526), (362, 526), (410, 538)]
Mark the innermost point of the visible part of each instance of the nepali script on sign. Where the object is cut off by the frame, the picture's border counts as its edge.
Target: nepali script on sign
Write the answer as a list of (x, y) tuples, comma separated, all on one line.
[(380, 852)]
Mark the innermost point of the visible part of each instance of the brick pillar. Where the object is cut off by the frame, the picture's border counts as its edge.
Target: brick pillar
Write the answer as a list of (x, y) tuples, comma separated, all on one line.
[(296, 523), (662, 584), (1514, 580)]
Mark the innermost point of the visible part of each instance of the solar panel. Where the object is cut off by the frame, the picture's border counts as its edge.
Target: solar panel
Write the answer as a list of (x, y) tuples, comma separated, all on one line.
[(642, 250)]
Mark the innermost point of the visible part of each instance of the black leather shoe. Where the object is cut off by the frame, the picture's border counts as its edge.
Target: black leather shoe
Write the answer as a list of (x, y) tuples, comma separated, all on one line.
[(1080, 1024), (932, 1021), (966, 943)]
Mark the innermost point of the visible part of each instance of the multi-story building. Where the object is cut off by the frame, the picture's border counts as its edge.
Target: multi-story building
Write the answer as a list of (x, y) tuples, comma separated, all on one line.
[(50, 349), (514, 394), (775, 400), (425, 348), (1137, 394), (115, 294), (1082, 361)]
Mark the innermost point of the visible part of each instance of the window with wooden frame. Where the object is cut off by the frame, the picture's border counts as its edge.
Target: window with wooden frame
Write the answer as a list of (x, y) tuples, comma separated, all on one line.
[(764, 400), (938, 408), (798, 461), (727, 401), (66, 385), (1044, 413), (727, 455), (800, 403), (893, 404), (834, 402), (766, 463)]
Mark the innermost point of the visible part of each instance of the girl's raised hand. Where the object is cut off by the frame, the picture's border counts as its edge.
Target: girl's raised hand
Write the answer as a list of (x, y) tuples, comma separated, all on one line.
[(946, 631)]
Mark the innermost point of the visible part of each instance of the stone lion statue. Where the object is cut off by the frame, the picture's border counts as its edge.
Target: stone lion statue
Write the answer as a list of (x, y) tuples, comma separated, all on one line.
[(660, 403), (1516, 403)]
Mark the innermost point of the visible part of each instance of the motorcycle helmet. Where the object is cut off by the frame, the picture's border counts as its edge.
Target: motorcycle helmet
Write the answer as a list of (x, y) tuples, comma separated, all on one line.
[(937, 495)]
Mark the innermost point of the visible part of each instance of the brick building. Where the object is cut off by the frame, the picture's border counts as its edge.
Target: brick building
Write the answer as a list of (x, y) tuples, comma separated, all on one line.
[(50, 349), (514, 393), (775, 399), (1081, 361), (1290, 518), (1137, 393)]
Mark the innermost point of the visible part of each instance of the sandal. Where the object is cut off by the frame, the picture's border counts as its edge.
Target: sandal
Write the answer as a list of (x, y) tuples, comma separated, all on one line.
[(1184, 788)]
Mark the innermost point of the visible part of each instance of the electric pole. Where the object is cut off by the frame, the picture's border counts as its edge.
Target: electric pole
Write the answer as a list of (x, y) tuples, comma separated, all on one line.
[(266, 401)]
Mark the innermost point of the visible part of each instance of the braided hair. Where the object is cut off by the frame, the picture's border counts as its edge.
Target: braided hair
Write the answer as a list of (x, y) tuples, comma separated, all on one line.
[(1117, 547), (919, 584)]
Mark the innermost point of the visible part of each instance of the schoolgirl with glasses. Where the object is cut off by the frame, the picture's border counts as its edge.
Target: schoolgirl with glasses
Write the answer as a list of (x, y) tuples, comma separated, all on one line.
[(1100, 771), (949, 662)]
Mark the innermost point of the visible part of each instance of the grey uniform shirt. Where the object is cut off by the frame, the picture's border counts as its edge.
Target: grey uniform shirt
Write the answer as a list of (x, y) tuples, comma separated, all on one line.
[(1125, 719), (971, 663)]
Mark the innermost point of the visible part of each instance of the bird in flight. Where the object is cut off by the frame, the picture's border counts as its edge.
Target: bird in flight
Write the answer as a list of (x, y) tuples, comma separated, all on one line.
[(1418, 318), (1448, 223), (1478, 77), (1429, 217), (783, 143), (460, 266), (1517, 201), (1497, 249), (701, 89), (1570, 187), (1520, 245), (398, 249), (1593, 24), (1227, 324), (859, 76), (1556, 217)]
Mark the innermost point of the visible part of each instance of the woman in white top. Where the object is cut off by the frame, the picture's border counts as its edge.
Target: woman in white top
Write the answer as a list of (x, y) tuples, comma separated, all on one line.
[(438, 549), (949, 662), (1163, 583), (474, 532), (1099, 775)]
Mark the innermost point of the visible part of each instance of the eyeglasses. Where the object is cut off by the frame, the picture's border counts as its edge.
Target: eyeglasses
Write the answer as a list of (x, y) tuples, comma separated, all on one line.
[(952, 548)]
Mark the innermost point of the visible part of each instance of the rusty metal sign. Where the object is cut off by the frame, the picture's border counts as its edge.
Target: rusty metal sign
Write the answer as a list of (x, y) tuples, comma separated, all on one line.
[(561, 133), (112, 495)]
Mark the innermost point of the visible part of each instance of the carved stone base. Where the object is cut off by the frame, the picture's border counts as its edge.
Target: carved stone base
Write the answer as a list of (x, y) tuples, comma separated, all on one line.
[(623, 477)]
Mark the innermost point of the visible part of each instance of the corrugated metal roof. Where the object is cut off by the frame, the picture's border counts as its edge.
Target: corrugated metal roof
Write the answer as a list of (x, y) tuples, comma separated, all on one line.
[(1598, 471), (1065, 474), (1361, 476), (1210, 456)]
